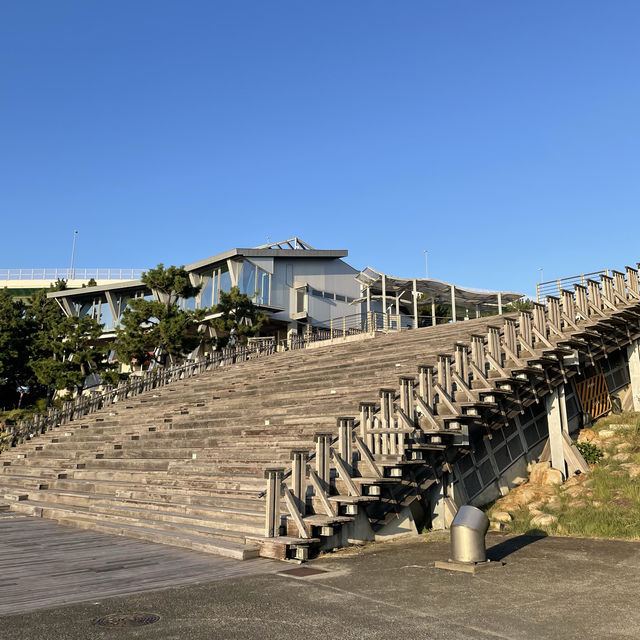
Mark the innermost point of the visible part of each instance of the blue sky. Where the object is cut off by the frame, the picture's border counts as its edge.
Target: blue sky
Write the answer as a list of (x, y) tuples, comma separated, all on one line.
[(500, 136)]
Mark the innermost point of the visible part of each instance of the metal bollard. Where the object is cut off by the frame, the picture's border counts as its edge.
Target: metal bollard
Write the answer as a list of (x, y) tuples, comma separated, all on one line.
[(468, 531)]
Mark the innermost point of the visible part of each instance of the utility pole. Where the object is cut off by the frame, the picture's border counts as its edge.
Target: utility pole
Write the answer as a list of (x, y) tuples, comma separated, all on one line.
[(73, 253)]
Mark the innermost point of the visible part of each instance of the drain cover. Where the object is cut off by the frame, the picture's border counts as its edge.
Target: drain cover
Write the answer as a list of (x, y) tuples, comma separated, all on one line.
[(126, 620), (302, 572)]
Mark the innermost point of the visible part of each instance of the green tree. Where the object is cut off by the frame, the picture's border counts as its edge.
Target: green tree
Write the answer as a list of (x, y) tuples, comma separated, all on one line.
[(65, 350), (239, 318), (170, 284), (524, 304), (160, 329), (15, 342), (443, 311)]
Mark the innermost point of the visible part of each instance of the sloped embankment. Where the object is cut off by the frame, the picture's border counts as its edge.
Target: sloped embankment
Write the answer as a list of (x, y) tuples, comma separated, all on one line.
[(603, 503)]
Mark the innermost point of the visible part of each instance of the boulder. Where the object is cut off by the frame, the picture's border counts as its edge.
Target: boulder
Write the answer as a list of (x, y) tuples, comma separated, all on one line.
[(552, 477), (543, 520), (500, 516), (537, 472), (586, 435), (603, 434), (633, 469), (622, 457)]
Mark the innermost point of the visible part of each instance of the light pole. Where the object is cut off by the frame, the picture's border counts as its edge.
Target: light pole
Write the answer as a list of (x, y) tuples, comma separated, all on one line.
[(541, 270), (426, 265), (73, 253)]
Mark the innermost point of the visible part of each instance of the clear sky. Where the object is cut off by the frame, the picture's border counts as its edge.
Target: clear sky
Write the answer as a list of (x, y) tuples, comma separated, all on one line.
[(500, 136)]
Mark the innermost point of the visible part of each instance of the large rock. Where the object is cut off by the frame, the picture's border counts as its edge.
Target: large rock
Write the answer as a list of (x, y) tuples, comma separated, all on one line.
[(552, 477), (537, 472), (500, 516), (622, 457), (586, 435), (543, 520), (632, 468)]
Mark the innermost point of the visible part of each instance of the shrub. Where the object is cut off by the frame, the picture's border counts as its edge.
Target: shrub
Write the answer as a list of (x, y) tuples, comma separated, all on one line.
[(590, 452)]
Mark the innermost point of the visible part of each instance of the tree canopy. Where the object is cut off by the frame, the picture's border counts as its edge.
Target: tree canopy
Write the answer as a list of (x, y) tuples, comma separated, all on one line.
[(154, 330), (239, 319)]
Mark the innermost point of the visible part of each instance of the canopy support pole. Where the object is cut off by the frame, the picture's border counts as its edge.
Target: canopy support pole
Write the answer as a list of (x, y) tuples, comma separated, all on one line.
[(499, 303), (415, 304), (453, 304)]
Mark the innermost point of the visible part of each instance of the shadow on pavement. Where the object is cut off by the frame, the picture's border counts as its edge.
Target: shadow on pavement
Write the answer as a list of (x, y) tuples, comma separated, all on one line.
[(507, 547)]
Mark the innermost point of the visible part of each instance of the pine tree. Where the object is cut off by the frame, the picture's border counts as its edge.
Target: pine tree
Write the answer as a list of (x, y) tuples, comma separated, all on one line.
[(154, 330), (65, 350), (239, 317), (15, 339)]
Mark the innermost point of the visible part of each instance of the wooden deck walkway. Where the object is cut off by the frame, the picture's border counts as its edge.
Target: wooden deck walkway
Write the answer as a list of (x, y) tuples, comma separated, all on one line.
[(48, 565)]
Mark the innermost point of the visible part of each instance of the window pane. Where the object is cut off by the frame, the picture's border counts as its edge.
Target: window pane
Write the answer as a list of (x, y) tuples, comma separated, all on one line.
[(225, 281), (248, 279), (206, 299)]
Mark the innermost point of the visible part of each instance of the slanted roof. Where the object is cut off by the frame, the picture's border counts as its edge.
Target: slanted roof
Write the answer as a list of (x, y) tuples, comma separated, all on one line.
[(290, 248), (437, 290)]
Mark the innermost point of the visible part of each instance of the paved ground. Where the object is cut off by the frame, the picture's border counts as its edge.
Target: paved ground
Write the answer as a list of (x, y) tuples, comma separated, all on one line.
[(43, 564), (549, 588)]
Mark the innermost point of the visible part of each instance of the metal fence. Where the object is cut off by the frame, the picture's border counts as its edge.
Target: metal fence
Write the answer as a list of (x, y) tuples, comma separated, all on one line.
[(71, 274), (555, 287)]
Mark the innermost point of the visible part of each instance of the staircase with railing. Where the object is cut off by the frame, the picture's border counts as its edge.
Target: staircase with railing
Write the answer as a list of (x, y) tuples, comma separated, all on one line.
[(409, 439)]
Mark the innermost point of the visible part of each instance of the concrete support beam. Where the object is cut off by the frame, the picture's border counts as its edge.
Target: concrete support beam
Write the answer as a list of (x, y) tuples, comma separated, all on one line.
[(415, 304), (633, 355), (557, 422)]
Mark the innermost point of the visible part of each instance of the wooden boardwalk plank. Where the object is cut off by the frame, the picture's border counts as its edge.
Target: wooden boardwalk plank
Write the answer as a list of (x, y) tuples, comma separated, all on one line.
[(43, 564)]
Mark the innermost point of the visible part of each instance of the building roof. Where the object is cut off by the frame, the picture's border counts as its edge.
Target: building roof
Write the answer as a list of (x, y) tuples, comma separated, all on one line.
[(437, 289)]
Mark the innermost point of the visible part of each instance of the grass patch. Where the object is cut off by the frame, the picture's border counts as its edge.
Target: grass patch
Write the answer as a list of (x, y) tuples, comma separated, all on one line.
[(605, 503)]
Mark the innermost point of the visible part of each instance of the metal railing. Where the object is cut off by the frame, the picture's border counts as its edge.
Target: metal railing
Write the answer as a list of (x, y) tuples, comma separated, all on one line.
[(555, 287), (71, 274), (84, 404)]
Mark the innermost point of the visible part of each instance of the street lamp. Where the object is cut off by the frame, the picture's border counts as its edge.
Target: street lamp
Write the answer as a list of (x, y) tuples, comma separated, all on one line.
[(73, 252), (426, 265), (541, 270)]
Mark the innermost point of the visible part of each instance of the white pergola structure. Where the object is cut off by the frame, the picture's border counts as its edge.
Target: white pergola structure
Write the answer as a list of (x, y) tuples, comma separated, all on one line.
[(380, 286)]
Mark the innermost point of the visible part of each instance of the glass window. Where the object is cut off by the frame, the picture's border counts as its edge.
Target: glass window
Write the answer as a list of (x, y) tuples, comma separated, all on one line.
[(224, 282), (301, 299), (339, 297), (248, 279), (206, 293), (106, 317), (328, 295), (263, 287), (315, 292)]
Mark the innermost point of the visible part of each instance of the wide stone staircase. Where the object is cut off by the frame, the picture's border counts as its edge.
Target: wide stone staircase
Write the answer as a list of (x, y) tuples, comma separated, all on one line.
[(184, 464)]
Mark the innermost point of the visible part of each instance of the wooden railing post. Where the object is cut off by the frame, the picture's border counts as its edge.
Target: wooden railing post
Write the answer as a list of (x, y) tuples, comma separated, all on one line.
[(366, 422), (273, 476), (299, 478), (323, 457), (389, 443), (406, 396), (345, 440)]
